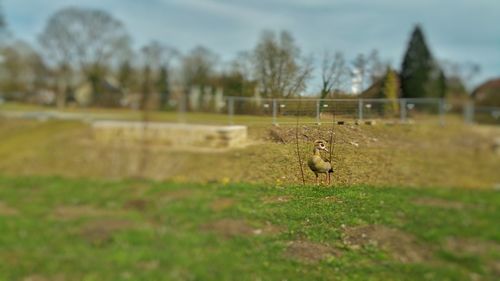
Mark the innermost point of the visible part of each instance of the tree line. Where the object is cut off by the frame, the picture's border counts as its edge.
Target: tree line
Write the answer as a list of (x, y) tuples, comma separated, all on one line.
[(85, 56)]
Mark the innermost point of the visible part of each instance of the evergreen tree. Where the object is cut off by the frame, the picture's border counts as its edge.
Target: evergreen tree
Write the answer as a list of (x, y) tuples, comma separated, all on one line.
[(419, 73)]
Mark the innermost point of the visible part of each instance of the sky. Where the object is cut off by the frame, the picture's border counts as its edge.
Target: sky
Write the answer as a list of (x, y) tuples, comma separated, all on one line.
[(456, 30)]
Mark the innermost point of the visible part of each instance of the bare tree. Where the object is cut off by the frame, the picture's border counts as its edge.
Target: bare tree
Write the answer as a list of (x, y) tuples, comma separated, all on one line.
[(359, 72), (158, 58), (278, 65), (158, 55), (376, 68), (334, 73), (463, 73), (242, 64), (84, 39), (198, 67), (22, 71)]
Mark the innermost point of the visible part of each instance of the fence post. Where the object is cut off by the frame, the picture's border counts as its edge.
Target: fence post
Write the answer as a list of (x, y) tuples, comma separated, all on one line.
[(402, 110), (469, 112), (441, 111), (360, 110), (275, 112), (181, 113), (318, 113), (230, 110)]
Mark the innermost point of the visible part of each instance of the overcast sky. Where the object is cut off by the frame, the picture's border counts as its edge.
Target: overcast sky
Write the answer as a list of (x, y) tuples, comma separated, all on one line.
[(457, 30)]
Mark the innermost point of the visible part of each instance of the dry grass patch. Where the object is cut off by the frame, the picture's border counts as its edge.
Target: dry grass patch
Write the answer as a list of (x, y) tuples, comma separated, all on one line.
[(307, 251), (71, 212), (402, 246)]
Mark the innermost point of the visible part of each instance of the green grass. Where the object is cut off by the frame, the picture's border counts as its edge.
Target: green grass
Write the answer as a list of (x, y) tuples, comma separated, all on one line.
[(75, 229)]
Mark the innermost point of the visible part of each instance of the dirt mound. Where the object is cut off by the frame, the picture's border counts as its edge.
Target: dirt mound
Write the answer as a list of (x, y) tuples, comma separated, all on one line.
[(435, 202), (222, 204), (400, 245), (288, 134), (102, 231), (137, 204), (308, 251), (229, 228)]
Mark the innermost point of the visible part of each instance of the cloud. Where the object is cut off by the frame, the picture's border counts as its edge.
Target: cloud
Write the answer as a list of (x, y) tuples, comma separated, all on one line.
[(459, 30), (234, 11)]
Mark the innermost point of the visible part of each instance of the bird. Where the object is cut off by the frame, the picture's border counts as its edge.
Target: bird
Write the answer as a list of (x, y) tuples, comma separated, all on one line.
[(317, 164)]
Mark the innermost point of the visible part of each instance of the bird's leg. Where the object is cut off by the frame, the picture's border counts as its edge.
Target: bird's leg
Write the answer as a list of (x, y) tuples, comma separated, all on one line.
[(317, 179), (329, 180)]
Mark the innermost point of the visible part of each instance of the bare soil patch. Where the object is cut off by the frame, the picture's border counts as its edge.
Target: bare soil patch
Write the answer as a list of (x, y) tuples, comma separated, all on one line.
[(276, 199), (308, 251), (440, 203), (229, 228), (137, 204), (80, 211), (101, 231), (475, 247), (175, 195), (402, 246), (6, 210), (222, 204), (471, 246)]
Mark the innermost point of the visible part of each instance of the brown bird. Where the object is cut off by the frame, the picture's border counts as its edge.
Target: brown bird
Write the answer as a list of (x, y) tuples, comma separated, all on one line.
[(317, 164)]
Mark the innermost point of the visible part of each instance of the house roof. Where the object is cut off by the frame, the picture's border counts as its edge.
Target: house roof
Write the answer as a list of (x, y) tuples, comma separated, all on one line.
[(488, 93)]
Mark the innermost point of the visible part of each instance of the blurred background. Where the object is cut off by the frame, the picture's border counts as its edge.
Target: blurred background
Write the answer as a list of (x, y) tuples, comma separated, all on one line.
[(188, 125)]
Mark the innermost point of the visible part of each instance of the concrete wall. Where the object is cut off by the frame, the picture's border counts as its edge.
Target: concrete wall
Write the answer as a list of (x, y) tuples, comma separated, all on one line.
[(170, 134)]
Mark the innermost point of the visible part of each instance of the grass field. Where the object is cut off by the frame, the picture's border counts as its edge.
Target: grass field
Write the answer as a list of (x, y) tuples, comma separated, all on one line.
[(408, 202), (60, 229)]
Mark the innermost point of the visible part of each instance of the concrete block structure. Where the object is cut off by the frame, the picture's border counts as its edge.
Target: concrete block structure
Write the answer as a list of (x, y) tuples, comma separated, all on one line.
[(169, 134)]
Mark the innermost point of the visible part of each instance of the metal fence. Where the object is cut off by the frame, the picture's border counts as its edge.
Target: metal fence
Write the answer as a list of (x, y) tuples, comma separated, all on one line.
[(306, 110), (241, 110)]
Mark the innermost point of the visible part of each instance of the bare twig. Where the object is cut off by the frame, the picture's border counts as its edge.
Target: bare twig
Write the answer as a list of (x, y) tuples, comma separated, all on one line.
[(297, 144), (332, 140)]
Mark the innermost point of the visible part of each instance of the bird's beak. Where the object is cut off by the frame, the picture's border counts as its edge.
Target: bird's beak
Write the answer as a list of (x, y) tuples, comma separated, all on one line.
[(325, 149)]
